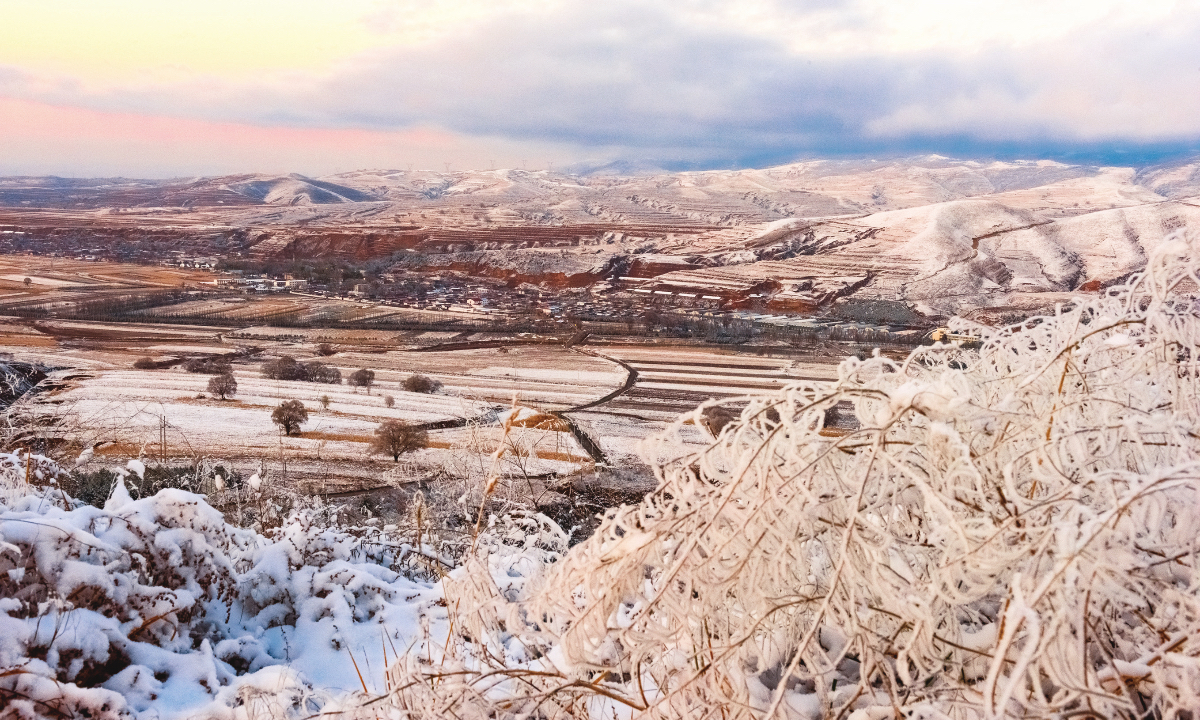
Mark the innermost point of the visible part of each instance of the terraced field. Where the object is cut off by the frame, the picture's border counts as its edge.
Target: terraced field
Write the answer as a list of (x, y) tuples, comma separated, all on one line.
[(671, 381)]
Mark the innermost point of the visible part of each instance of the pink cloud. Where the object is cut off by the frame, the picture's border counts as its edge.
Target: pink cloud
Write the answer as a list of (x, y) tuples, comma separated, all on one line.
[(40, 138)]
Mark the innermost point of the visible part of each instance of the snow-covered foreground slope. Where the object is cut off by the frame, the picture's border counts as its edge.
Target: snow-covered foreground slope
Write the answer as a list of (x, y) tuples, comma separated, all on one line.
[(157, 608)]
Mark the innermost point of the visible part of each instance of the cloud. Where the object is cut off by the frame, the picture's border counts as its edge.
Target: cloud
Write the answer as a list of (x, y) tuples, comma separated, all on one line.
[(710, 83)]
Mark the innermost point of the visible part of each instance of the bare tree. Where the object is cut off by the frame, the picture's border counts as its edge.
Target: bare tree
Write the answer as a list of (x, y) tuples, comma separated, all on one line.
[(362, 378), (289, 416), (395, 438), (223, 385)]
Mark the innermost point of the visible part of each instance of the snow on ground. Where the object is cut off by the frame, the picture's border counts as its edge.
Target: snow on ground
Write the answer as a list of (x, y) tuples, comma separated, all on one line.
[(125, 406), (192, 349), (38, 280), (157, 608)]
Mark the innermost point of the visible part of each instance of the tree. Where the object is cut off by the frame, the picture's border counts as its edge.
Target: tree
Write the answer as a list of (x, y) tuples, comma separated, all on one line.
[(419, 383), (325, 350), (324, 400), (27, 282), (283, 368), (395, 438), (222, 385), (289, 416), (209, 366), (322, 373), (389, 401), (362, 378), (287, 368)]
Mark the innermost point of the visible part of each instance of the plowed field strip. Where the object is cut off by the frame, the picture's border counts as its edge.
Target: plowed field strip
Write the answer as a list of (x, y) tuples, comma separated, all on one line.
[(724, 388), (828, 372), (708, 370), (709, 379), (765, 367), (661, 399)]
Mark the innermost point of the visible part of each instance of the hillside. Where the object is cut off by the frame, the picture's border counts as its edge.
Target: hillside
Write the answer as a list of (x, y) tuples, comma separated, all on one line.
[(950, 235)]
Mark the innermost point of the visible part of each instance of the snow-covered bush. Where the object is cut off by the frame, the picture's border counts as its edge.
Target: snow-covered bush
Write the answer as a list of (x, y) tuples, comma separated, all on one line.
[(1012, 531), (158, 607)]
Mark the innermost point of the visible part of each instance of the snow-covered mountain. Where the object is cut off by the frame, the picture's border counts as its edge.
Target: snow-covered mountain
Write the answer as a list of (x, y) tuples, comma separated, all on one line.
[(942, 233)]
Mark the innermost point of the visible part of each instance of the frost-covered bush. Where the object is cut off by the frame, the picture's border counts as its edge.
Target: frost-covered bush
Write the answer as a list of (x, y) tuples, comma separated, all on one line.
[(95, 486), (1011, 531), (159, 608)]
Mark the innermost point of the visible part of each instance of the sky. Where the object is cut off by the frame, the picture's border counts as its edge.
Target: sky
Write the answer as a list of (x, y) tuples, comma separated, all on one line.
[(169, 88)]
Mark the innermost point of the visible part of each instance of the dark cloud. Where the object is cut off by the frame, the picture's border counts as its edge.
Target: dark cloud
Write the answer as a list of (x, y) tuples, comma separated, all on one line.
[(641, 79)]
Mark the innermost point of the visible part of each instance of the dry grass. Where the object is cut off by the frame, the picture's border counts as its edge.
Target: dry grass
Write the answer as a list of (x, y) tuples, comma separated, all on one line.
[(335, 437)]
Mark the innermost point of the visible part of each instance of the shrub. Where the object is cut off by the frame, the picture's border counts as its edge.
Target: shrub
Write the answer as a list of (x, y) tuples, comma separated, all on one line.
[(1008, 531), (208, 366), (223, 385), (145, 363), (325, 350), (289, 416), (158, 607), (421, 384), (363, 378), (94, 487)]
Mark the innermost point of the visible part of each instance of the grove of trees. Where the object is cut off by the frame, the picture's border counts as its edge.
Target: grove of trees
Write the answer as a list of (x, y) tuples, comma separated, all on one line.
[(288, 368), (207, 366)]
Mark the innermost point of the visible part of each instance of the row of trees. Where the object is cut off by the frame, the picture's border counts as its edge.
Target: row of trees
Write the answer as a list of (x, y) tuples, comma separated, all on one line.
[(224, 385), (288, 368), (392, 437)]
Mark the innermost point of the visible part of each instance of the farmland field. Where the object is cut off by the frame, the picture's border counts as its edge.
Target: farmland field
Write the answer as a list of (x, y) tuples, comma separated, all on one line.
[(611, 396)]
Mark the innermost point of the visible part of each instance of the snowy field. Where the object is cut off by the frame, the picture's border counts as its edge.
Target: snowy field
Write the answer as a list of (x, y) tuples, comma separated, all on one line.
[(127, 406), (111, 403)]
